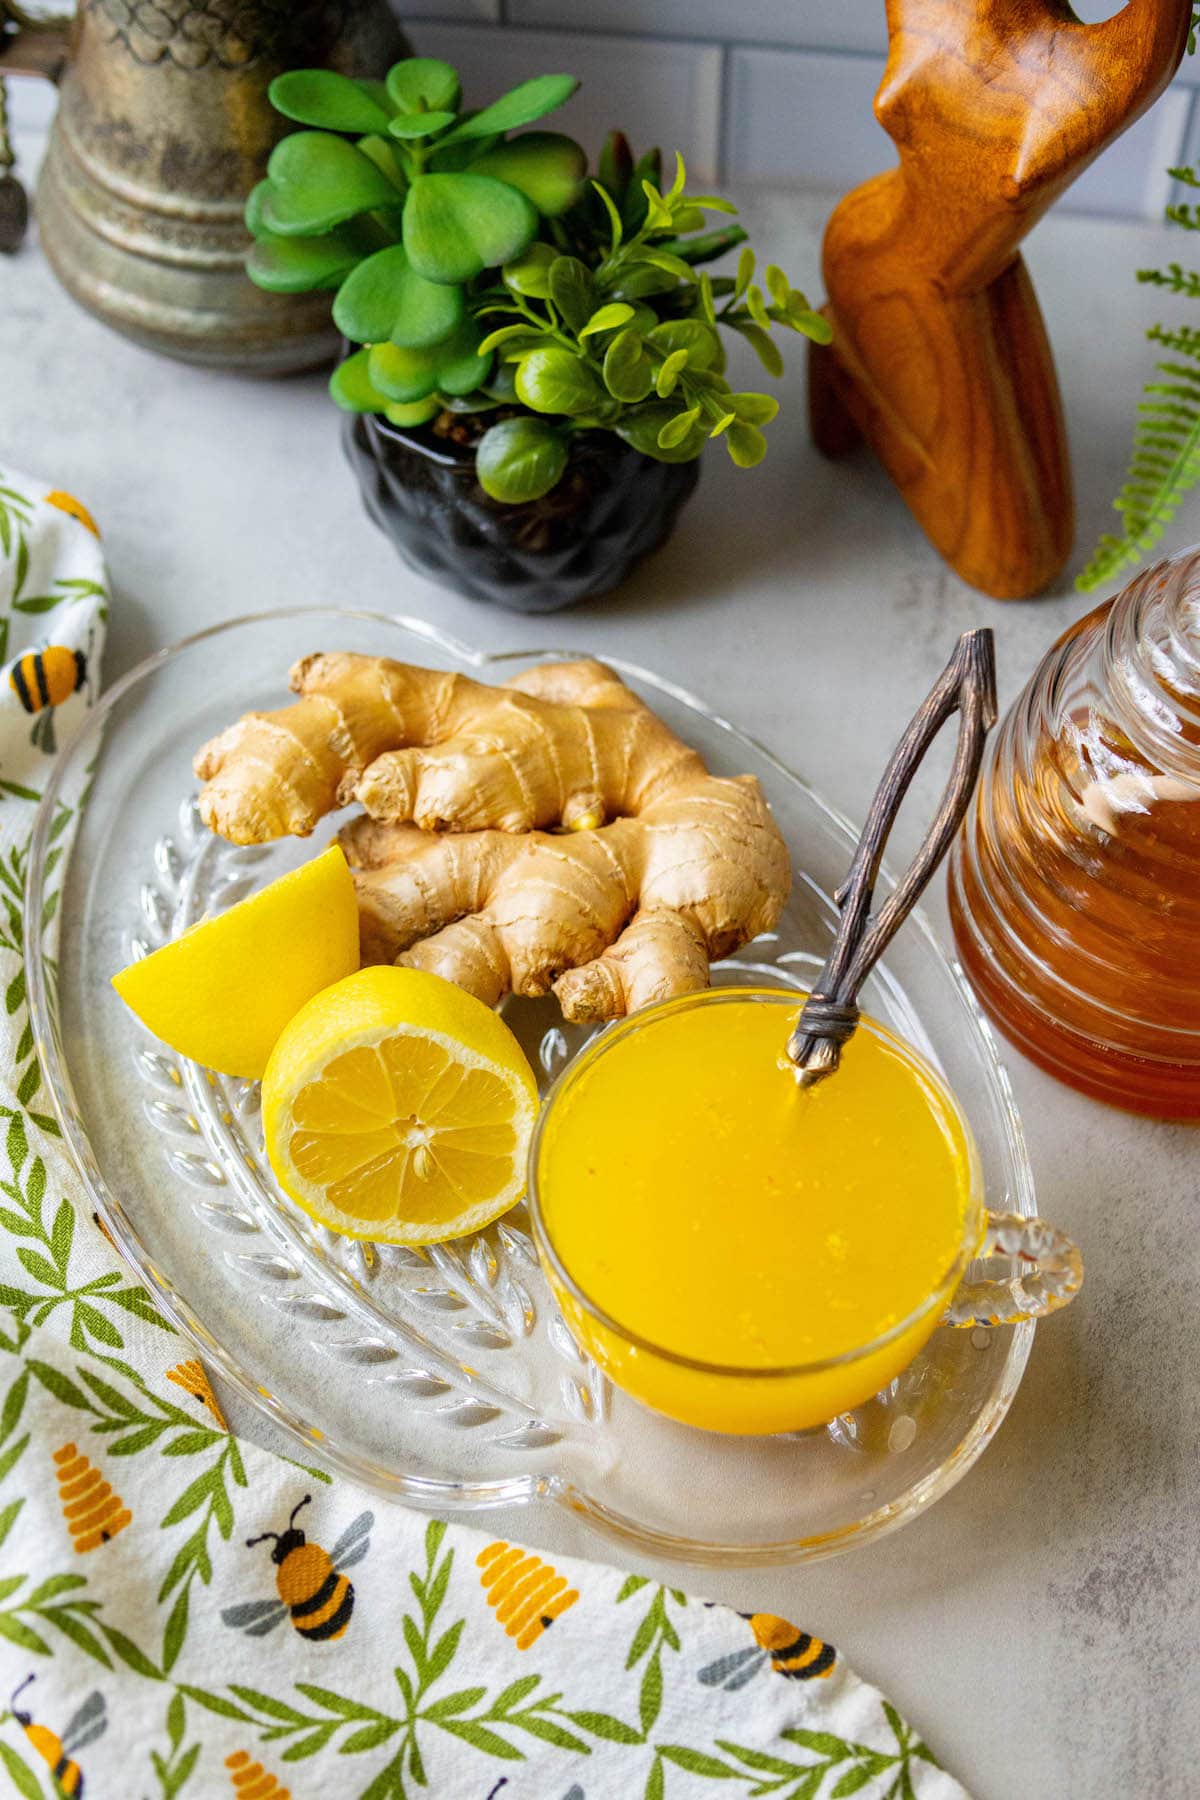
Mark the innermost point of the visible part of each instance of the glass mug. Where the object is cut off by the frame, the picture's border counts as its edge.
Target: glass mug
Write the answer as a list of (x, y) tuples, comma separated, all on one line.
[(777, 1396)]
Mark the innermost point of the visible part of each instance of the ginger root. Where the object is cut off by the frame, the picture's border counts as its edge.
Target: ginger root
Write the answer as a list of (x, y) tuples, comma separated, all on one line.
[(550, 833)]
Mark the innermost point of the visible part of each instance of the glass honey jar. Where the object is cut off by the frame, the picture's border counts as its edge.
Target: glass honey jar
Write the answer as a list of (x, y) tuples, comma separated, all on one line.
[(1075, 881)]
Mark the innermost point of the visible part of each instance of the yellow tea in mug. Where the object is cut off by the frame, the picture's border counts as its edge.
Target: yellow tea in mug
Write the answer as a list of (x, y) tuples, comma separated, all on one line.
[(736, 1251)]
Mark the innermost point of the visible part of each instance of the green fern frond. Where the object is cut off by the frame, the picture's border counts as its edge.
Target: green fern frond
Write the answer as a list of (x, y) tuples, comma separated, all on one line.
[(1164, 464), (1185, 339), (1147, 480), (1163, 411), (1183, 397), (1179, 280), (1184, 371)]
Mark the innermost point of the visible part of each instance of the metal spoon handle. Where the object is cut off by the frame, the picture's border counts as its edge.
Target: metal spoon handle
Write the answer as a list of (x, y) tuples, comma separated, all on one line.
[(967, 686)]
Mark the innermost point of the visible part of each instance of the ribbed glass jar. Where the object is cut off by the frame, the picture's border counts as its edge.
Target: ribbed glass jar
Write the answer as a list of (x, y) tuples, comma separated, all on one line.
[(1075, 882)]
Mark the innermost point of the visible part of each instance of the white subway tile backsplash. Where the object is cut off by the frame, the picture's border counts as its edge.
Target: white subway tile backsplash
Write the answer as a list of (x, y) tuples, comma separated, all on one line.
[(808, 119), (1130, 179), (805, 119), (771, 90), (1188, 73), (31, 104), (1189, 154), (812, 24), (658, 92)]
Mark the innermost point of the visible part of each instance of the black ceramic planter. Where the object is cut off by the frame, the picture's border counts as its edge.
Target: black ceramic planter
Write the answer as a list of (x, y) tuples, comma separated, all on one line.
[(611, 508)]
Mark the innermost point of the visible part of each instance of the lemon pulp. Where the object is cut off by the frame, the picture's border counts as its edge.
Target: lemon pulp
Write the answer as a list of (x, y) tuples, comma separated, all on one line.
[(400, 1108)]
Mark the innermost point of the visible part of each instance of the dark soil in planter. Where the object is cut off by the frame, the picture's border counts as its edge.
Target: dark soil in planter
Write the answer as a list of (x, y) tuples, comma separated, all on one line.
[(612, 507)]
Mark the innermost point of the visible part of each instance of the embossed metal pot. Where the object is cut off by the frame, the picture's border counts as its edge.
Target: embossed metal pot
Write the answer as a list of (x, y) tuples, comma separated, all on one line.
[(163, 127)]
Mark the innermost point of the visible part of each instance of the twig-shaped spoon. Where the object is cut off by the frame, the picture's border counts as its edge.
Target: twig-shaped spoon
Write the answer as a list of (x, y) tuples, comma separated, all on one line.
[(967, 686)]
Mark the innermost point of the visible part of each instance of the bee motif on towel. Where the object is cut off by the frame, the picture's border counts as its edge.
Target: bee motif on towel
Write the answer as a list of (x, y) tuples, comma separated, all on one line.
[(47, 677), (83, 1728), (42, 680), (311, 1585), (791, 1652)]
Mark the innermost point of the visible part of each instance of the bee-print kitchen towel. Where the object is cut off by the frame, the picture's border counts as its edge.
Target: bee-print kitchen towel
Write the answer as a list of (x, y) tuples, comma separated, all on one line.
[(184, 1613)]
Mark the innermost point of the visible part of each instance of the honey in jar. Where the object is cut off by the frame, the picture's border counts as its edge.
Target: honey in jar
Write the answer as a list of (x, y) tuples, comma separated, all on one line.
[(1075, 882)]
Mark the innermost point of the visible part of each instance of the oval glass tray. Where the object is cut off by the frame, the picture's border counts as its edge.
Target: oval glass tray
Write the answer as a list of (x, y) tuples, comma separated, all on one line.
[(445, 1377)]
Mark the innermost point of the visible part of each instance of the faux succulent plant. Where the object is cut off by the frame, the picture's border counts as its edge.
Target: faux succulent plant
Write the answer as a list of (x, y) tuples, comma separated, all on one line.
[(484, 272)]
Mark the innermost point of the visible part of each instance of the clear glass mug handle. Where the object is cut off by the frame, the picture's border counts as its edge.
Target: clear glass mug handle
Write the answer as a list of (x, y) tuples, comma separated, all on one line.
[(1048, 1276)]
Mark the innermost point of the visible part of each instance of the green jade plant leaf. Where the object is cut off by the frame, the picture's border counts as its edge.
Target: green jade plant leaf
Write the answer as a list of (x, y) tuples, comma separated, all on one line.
[(546, 167), (454, 366), (384, 298), (521, 106), (480, 272), (421, 85), (455, 226), (331, 102), (316, 181), (298, 265)]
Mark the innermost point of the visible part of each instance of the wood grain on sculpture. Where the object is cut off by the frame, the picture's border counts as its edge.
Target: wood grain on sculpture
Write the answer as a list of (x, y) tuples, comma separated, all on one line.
[(940, 357)]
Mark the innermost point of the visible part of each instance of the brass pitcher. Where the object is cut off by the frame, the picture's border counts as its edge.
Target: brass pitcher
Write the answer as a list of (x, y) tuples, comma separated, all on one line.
[(163, 127)]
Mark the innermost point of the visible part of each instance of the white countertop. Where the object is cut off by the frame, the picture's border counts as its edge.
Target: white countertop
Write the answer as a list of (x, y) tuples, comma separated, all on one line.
[(1039, 1627)]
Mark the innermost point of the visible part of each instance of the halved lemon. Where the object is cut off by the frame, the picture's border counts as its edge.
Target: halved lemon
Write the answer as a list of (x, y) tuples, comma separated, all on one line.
[(397, 1107), (222, 993)]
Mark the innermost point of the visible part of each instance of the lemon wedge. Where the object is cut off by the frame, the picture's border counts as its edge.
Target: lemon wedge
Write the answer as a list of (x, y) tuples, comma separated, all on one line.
[(397, 1107), (222, 993)]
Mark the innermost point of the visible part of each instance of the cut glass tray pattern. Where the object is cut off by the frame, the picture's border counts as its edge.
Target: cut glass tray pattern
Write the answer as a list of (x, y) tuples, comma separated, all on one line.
[(445, 1376)]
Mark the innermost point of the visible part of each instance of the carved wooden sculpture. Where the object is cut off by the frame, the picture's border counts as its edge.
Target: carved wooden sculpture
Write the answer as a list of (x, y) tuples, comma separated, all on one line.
[(940, 358)]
